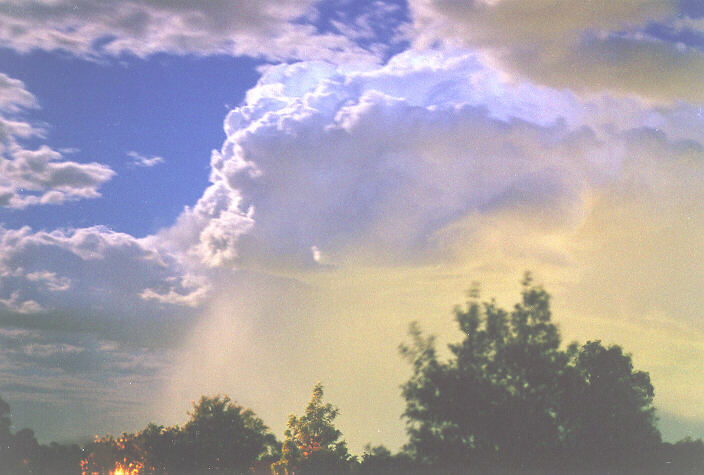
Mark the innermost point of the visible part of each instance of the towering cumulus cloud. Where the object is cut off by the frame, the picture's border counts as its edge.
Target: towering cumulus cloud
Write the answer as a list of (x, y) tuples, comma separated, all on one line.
[(320, 161), (344, 195)]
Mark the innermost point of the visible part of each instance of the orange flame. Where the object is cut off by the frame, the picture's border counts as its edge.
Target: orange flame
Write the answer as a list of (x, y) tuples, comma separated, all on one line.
[(132, 468)]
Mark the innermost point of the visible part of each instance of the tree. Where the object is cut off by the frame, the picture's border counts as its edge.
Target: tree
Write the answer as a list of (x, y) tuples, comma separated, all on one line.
[(510, 398), (222, 435), (685, 456), (162, 448), (107, 455), (379, 459), (20, 453), (5, 434), (608, 419), (312, 444)]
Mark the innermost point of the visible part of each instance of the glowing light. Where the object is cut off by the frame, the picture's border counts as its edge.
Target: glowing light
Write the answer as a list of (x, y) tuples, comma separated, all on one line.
[(132, 468)]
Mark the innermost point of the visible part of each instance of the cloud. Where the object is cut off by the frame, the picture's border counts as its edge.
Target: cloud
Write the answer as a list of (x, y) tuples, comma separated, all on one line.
[(39, 176), (586, 47), (50, 280), (89, 28), (13, 95), (77, 383), (88, 321), (139, 160), (95, 281), (318, 158), (345, 203), (14, 304)]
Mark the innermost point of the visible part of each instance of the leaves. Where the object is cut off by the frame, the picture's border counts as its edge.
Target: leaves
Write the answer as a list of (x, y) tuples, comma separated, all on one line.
[(510, 397), (312, 442)]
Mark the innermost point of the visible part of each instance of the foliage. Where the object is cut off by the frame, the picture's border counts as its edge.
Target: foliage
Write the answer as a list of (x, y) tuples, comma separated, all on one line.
[(509, 397), (685, 456), (379, 459), (608, 420), (20, 453), (220, 436), (107, 454), (312, 443)]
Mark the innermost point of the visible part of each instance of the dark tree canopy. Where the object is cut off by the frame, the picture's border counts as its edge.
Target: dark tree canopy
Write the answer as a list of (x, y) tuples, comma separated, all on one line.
[(510, 397), (223, 435), (220, 436), (20, 453)]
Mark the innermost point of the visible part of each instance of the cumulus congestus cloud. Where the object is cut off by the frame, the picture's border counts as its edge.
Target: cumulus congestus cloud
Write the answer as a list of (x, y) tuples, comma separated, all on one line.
[(322, 161)]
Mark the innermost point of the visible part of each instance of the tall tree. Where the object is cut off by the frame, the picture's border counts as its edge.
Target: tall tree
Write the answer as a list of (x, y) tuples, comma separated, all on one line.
[(509, 397), (312, 443), (222, 435), (608, 418)]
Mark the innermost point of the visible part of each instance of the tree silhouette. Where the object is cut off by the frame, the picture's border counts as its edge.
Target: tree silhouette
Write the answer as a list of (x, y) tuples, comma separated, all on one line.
[(510, 398), (20, 453), (222, 435), (379, 459), (608, 419), (5, 434), (312, 443), (162, 448)]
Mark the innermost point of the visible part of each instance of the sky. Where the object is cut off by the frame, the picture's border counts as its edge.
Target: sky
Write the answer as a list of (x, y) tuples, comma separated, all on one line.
[(246, 198)]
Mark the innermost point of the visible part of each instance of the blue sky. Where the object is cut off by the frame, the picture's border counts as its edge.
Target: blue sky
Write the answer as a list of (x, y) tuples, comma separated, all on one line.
[(107, 109), (244, 197)]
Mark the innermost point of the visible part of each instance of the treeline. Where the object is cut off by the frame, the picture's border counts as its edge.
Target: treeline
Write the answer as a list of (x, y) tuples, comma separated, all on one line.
[(508, 400)]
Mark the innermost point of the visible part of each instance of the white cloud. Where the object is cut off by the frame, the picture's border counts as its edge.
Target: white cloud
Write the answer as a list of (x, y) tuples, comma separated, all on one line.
[(139, 160), (50, 280), (16, 304), (92, 28), (93, 278), (192, 291), (13, 95), (322, 158), (40, 176)]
